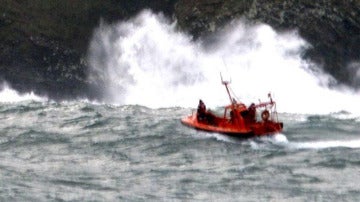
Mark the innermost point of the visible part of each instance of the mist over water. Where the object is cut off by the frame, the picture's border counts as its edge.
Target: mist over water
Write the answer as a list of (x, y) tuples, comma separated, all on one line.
[(147, 61)]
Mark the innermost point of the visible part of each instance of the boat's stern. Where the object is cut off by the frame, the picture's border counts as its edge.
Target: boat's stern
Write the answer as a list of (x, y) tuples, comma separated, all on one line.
[(266, 128)]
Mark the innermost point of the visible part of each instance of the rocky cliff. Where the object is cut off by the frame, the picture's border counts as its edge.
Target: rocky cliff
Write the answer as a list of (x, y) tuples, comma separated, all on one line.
[(332, 27), (44, 42)]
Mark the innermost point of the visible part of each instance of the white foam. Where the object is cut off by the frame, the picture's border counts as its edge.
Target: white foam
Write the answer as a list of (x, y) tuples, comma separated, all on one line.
[(146, 61), (280, 138), (10, 95), (326, 144)]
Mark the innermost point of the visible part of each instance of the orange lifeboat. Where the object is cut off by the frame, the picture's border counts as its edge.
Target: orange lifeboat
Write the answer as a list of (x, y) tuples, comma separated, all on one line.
[(237, 120)]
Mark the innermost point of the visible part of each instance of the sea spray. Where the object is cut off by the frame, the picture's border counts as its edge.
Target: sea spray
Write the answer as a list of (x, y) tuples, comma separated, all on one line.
[(7, 94), (143, 61), (147, 61), (354, 144)]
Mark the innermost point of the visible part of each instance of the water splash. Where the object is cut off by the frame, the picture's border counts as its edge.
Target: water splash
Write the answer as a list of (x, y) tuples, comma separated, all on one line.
[(9, 95), (147, 61), (280, 140), (353, 144)]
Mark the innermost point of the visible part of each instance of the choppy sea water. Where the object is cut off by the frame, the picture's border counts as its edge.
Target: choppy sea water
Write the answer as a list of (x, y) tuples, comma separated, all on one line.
[(80, 151)]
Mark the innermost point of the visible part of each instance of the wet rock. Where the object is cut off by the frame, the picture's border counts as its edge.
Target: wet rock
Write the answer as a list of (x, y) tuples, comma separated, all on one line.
[(44, 43), (332, 27)]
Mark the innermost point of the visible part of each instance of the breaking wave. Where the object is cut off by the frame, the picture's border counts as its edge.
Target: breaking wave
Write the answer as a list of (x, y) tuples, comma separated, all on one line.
[(353, 144), (9, 95), (147, 61), (280, 140)]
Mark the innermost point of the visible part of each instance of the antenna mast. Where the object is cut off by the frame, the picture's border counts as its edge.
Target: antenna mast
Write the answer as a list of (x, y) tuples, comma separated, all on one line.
[(225, 83)]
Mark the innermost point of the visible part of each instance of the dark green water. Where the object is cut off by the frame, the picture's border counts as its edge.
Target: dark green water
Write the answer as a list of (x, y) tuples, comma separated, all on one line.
[(78, 151)]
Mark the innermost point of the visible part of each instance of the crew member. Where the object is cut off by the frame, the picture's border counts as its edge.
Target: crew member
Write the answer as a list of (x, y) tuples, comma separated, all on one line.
[(201, 111), (251, 116)]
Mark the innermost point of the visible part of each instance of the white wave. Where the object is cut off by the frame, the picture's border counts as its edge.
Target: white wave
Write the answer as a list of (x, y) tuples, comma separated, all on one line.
[(217, 136), (10, 95), (262, 142), (281, 140), (326, 144), (146, 61)]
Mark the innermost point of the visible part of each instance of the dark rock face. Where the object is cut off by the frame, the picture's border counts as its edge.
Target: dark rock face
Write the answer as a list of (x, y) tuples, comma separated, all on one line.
[(44, 42), (332, 27)]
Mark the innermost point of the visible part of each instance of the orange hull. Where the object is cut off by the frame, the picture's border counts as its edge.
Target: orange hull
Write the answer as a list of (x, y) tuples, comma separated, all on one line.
[(238, 120), (225, 126)]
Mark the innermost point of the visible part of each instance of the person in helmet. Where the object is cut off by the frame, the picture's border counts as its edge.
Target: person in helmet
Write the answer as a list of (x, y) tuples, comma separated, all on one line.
[(201, 111)]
